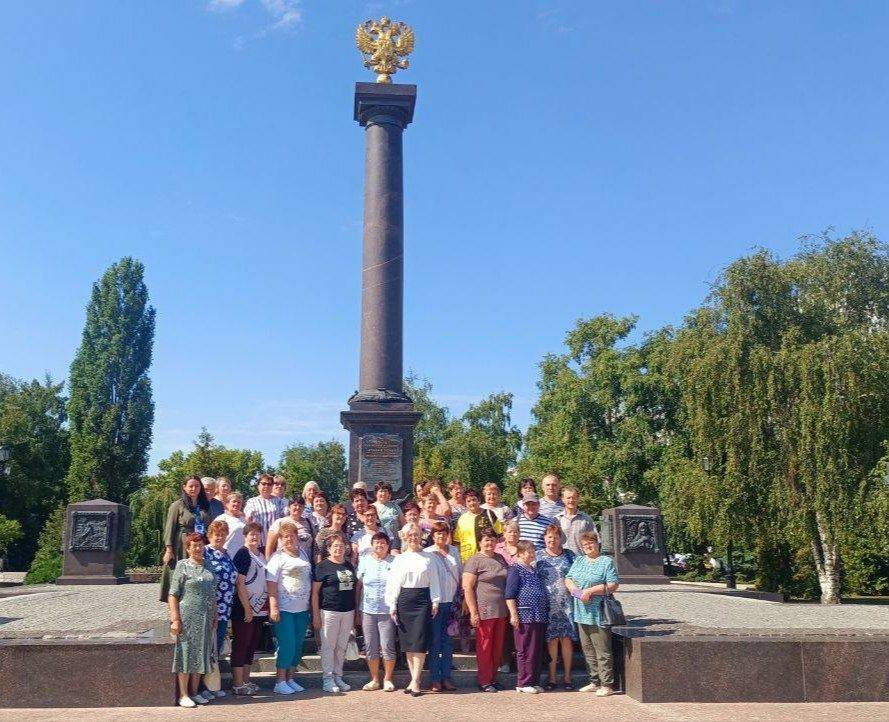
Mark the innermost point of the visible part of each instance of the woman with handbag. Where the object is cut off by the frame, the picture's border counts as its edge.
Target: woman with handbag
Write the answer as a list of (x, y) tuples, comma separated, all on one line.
[(445, 624), (216, 558), (249, 610), (189, 513), (591, 578), (333, 612)]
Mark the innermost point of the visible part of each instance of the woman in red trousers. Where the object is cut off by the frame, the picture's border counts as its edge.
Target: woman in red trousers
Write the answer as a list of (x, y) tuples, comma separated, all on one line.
[(484, 584)]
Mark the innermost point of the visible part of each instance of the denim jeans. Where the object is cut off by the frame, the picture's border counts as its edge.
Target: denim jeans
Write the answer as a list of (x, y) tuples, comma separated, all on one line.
[(441, 652)]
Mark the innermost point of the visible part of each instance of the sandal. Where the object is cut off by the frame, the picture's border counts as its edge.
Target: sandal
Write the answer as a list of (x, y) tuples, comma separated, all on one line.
[(448, 686), (549, 686), (568, 686), (242, 691)]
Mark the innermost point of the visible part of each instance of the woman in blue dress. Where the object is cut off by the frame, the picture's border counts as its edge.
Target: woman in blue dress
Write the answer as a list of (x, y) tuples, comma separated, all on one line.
[(553, 563), (219, 562)]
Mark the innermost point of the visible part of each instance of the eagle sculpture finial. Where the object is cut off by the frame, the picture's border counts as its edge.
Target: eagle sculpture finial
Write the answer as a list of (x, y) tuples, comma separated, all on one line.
[(385, 46)]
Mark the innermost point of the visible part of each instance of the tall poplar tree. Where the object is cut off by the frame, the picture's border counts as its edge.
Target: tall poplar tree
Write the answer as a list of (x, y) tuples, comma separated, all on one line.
[(110, 408)]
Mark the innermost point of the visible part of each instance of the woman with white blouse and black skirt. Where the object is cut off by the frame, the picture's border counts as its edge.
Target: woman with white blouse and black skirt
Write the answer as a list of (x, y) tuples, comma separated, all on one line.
[(413, 595)]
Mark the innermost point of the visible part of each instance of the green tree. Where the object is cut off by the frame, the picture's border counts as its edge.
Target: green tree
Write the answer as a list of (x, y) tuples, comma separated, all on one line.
[(602, 416), (430, 432), (46, 566), (483, 444), (32, 426), (10, 531), (324, 462), (149, 503), (110, 408)]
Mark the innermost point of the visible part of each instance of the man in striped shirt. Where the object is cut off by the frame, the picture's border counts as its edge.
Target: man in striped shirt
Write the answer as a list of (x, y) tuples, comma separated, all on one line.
[(265, 508), (531, 524)]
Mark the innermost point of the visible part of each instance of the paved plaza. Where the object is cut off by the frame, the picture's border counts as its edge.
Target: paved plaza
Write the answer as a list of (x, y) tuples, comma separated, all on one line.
[(470, 706), (133, 609)]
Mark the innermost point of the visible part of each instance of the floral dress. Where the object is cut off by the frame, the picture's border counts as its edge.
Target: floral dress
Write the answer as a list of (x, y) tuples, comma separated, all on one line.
[(552, 572), (195, 587), (223, 567)]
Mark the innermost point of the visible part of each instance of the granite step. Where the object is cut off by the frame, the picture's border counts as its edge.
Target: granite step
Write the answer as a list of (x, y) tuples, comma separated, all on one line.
[(312, 663)]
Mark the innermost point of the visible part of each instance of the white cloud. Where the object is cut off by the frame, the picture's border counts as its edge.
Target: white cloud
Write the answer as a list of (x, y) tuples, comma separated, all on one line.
[(224, 4), (285, 12), (285, 15)]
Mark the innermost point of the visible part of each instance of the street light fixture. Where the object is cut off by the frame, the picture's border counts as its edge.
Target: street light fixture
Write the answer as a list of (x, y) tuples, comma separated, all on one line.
[(730, 582)]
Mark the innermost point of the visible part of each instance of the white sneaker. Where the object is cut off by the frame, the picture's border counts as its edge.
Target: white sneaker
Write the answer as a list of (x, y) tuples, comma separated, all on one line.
[(604, 691), (187, 702), (283, 688), (341, 684), (295, 686), (591, 687), (388, 686), (527, 690), (330, 686), (198, 699)]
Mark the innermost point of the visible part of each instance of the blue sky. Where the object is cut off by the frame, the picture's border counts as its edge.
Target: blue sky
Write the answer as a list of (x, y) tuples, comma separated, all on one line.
[(566, 158)]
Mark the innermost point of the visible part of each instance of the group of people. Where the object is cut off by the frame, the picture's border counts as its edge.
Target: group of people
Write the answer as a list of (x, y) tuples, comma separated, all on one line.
[(412, 576)]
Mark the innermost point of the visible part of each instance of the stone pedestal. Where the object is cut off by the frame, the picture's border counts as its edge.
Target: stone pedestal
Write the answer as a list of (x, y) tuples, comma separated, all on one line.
[(634, 536), (381, 418), (94, 543)]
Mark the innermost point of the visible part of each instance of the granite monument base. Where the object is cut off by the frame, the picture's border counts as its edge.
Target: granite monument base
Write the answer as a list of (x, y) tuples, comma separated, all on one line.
[(381, 437), (94, 543), (87, 672), (753, 666)]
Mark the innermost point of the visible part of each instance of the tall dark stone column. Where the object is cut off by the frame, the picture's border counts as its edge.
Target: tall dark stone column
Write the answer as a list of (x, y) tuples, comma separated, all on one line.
[(381, 418)]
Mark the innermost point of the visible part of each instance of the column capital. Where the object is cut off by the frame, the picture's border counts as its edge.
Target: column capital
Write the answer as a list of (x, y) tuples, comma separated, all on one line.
[(384, 103)]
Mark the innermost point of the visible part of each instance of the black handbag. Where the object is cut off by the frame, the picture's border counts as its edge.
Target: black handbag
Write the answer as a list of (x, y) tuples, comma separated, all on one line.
[(611, 613)]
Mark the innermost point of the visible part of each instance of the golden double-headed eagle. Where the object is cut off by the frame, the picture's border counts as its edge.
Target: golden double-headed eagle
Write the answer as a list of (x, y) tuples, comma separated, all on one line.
[(385, 46)]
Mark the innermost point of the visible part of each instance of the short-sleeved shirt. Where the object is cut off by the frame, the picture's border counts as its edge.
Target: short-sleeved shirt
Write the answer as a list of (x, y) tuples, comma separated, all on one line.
[(264, 512), (573, 527), (389, 514), (550, 508), (491, 585), (293, 575), (221, 565), (585, 573), (235, 539), (469, 527), (253, 569), (373, 573), (304, 535), (523, 585), (337, 586), (532, 530)]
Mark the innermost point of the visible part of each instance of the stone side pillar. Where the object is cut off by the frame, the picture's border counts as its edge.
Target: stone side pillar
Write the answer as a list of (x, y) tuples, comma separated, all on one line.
[(95, 542), (634, 536), (381, 418)]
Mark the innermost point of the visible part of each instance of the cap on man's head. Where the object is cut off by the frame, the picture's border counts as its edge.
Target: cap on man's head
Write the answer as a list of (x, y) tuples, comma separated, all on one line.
[(530, 496), (360, 485)]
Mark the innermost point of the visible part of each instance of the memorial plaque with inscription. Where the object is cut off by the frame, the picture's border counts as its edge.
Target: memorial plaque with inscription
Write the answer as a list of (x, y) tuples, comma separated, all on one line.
[(380, 460)]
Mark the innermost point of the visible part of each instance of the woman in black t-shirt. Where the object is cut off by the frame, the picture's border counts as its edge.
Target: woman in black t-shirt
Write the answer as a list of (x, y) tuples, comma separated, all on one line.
[(334, 612)]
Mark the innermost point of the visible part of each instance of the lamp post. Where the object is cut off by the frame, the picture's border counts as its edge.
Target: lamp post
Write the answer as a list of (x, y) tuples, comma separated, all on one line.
[(729, 551), (5, 454)]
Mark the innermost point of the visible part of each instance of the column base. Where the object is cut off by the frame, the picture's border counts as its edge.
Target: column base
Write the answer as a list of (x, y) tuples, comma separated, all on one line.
[(381, 443)]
